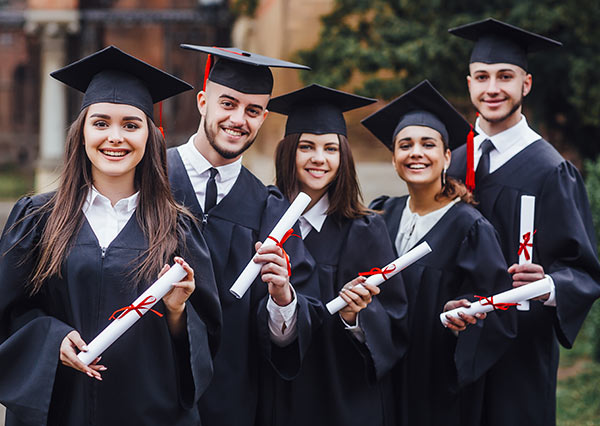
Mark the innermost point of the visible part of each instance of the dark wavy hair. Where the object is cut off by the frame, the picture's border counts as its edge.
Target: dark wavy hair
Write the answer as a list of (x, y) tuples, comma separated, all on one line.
[(345, 198), (156, 212)]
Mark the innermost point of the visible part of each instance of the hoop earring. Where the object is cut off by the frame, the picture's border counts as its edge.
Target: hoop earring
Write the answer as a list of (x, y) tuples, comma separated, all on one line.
[(444, 176)]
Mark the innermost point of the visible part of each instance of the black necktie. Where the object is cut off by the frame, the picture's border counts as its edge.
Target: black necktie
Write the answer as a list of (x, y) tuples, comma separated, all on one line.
[(211, 190), (483, 168)]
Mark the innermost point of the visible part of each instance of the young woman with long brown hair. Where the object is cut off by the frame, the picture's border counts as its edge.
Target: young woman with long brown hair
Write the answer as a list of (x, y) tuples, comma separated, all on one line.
[(73, 257), (419, 128), (343, 380)]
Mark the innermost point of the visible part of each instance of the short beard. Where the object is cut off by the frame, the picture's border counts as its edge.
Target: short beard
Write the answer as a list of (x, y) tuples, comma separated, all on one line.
[(228, 155), (515, 107)]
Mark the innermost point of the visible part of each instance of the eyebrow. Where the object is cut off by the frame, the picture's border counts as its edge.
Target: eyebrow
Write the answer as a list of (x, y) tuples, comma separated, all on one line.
[(107, 117), (231, 98)]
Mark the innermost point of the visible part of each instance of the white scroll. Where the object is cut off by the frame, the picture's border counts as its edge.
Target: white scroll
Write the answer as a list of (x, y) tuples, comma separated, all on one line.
[(526, 237), (389, 271), (289, 218)]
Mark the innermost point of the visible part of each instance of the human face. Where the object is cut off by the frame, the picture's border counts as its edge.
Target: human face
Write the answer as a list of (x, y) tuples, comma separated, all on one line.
[(497, 92), (230, 122), (420, 157), (317, 162), (115, 137)]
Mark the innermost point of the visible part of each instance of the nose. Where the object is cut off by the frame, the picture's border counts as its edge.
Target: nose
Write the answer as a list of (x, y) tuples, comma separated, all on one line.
[(492, 87), (115, 135), (237, 116), (318, 157), (417, 150)]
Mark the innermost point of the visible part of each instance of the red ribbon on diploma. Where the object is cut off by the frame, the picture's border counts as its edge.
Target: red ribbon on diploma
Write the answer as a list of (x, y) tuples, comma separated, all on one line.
[(523, 246), (142, 305), (490, 301), (375, 271), (288, 234)]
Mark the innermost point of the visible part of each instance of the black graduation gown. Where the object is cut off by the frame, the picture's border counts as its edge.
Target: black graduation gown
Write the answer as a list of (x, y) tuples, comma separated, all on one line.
[(245, 215), (465, 260), (152, 379), (342, 381), (565, 246)]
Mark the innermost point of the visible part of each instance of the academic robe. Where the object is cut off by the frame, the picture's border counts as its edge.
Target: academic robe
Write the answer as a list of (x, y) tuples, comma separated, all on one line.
[(343, 382), (438, 379), (521, 388), (152, 377), (245, 215)]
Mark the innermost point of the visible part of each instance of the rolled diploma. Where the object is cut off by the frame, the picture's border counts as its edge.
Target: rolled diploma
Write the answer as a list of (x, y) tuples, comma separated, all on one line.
[(401, 263), (515, 295), (289, 218), (527, 214), (120, 325)]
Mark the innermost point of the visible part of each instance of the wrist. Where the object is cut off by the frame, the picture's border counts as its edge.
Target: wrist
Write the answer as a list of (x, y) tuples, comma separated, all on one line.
[(283, 298)]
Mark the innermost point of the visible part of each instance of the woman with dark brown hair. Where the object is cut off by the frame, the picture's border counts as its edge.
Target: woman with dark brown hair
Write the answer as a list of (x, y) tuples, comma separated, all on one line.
[(344, 376), (74, 257), (419, 128)]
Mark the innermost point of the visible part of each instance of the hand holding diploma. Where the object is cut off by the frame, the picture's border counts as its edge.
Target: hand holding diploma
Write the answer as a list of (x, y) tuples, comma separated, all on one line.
[(460, 323), (144, 303), (274, 272), (357, 298)]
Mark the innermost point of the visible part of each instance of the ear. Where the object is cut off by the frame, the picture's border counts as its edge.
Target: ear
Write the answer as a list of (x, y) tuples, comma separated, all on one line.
[(201, 102), (468, 81), (527, 83), (447, 158)]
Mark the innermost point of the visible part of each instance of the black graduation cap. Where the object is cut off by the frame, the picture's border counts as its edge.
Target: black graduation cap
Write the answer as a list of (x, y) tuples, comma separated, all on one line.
[(424, 106), (113, 76), (498, 42), (240, 70), (317, 109)]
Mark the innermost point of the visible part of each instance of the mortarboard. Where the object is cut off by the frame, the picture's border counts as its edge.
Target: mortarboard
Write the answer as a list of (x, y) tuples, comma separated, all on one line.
[(240, 70), (424, 106), (113, 76), (317, 109), (498, 42)]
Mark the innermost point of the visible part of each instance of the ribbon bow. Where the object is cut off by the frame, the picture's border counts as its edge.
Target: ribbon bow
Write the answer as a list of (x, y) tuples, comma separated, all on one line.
[(375, 271), (288, 234), (490, 301), (523, 245), (142, 305)]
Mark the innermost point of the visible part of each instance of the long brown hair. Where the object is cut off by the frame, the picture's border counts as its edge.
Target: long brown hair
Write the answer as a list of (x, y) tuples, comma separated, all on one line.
[(344, 192), (156, 212)]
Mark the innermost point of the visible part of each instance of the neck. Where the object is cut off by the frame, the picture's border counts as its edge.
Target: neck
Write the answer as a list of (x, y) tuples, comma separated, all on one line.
[(493, 128), (422, 198), (205, 148), (115, 188)]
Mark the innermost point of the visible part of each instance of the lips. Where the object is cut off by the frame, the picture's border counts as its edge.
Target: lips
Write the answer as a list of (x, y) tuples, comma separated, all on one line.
[(417, 166), (317, 173), (234, 132), (114, 153)]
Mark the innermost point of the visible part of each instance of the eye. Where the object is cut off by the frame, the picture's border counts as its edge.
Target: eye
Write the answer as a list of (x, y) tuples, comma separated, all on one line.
[(227, 104), (253, 112), (332, 149), (100, 124), (131, 126), (304, 147), (506, 77), (404, 146), (429, 144)]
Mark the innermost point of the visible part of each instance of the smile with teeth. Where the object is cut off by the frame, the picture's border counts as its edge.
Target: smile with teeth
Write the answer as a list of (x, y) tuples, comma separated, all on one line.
[(416, 166), (112, 153), (316, 172), (233, 132)]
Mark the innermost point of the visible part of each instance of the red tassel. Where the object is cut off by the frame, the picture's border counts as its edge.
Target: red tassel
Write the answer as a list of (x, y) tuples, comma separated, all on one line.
[(470, 179), (207, 70), (160, 126)]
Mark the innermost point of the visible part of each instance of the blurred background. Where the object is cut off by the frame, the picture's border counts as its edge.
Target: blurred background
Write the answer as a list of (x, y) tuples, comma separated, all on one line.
[(374, 48)]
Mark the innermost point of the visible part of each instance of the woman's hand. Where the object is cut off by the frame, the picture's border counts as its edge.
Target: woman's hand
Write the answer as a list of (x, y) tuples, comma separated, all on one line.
[(274, 272), (175, 299), (357, 298), (68, 356), (460, 324)]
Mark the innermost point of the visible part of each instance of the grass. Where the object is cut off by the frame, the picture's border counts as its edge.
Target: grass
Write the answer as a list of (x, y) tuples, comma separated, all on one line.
[(14, 183), (578, 395)]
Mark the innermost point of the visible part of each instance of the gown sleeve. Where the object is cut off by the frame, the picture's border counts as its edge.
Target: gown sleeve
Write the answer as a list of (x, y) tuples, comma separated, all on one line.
[(569, 249), (484, 273), (196, 348), (287, 360), (29, 338), (385, 319)]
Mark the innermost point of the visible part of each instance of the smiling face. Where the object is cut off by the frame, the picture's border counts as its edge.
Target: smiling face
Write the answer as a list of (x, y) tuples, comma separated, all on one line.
[(115, 137), (497, 92), (420, 157), (230, 122), (317, 162)]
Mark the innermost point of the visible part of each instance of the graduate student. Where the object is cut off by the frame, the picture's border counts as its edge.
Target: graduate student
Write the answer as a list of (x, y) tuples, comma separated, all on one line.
[(71, 258), (511, 160), (344, 378), (273, 322), (419, 128)]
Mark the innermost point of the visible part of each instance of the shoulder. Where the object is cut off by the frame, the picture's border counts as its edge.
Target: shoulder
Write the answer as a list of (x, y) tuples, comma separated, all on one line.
[(386, 203), (26, 221)]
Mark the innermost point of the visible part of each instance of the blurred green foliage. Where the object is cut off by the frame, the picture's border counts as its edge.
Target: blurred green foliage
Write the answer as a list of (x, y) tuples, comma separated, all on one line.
[(381, 48), (15, 182), (592, 181)]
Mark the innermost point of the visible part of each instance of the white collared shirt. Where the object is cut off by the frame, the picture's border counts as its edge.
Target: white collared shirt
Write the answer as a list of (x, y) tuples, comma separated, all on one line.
[(105, 220), (413, 226), (507, 144), (198, 170), (315, 217)]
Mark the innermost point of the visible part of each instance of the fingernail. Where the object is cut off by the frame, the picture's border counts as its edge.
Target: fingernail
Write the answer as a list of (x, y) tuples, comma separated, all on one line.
[(103, 368), (89, 374)]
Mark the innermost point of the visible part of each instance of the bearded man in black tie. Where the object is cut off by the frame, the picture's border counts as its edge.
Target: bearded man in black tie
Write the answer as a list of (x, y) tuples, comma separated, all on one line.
[(512, 160)]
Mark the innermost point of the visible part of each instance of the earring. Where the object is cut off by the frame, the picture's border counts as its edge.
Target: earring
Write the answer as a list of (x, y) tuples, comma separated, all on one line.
[(444, 176)]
